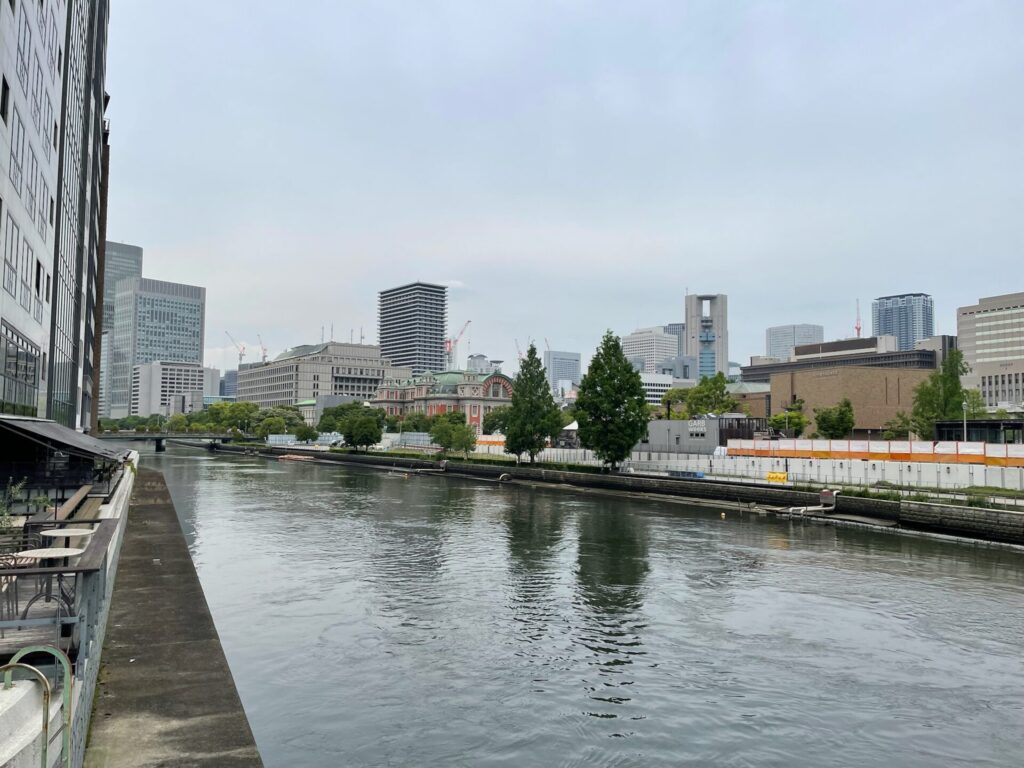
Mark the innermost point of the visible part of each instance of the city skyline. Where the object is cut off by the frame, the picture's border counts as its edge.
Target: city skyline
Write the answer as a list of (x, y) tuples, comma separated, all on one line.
[(839, 143)]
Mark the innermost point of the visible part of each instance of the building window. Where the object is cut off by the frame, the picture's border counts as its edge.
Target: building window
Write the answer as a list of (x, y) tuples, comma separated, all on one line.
[(11, 242), (17, 151), (5, 99), (24, 46)]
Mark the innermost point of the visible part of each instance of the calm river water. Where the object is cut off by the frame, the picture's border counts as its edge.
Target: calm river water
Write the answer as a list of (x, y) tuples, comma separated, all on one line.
[(374, 620)]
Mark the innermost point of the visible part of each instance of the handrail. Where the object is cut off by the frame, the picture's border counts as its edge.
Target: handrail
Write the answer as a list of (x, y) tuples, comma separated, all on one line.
[(65, 742), (91, 560), (8, 670)]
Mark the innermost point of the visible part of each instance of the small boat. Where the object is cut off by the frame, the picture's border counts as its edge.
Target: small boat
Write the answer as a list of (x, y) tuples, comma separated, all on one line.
[(294, 457)]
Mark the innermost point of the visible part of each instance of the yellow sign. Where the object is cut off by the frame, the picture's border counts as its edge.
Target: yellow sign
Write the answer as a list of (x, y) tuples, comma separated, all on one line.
[(778, 477)]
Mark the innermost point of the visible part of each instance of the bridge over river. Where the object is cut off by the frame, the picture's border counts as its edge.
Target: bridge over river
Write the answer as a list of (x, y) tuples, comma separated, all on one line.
[(160, 438)]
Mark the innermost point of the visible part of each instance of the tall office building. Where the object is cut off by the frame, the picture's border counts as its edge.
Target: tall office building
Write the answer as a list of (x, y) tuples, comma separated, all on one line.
[(30, 150), (153, 321), (79, 212), (229, 384), (707, 333), (909, 317), (411, 325), (678, 330), (991, 336), (652, 345), (120, 261), (780, 341), (156, 385), (561, 366)]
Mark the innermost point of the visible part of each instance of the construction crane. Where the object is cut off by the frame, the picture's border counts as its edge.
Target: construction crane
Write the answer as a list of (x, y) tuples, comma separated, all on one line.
[(518, 350), (239, 347), (451, 346), (263, 348)]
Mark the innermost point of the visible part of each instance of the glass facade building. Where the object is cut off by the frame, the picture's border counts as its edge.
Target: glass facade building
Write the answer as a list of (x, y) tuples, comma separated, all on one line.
[(153, 321), (910, 317)]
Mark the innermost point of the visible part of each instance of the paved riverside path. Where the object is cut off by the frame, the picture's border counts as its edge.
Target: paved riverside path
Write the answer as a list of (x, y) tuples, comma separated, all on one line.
[(165, 695)]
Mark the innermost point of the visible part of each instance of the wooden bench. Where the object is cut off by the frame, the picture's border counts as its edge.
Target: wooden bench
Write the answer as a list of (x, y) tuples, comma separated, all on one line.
[(65, 510), (90, 510)]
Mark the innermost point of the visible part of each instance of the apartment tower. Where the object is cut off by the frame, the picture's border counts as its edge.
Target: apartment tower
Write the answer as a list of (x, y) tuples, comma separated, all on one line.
[(411, 326)]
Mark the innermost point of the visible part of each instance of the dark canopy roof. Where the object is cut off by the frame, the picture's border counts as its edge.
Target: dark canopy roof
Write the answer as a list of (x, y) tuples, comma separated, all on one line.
[(60, 437)]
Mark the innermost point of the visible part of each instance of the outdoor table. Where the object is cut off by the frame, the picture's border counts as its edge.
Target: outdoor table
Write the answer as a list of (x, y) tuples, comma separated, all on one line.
[(52, 553), (67, 534)]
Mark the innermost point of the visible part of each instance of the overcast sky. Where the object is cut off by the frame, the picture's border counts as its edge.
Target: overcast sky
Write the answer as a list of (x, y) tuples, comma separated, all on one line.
[(567, 167)]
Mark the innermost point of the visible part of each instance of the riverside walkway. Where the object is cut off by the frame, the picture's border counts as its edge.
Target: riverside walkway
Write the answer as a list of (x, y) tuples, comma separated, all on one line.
[(165, 694)]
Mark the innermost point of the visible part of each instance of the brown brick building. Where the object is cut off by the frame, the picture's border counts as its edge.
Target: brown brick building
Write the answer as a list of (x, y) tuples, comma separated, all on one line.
[(877, 394)]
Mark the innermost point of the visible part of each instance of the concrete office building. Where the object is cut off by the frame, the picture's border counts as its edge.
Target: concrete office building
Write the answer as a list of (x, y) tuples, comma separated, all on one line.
[(153, 321), (679, 331), (481, 364), (651, 345), (781, 340), (313, 370), (51, 204), (909, 317), (80, 212), (707, 333), (562, 367), (991, 337), (155, 386), (32, 90), (657, 384), (871, 351), (411, 326)]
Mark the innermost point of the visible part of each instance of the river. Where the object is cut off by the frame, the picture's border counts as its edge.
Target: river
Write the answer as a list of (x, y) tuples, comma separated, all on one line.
[(372, 619)]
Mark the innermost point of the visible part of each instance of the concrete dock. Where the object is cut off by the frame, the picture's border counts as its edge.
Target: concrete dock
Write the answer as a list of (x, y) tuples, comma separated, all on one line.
[(165, 695)]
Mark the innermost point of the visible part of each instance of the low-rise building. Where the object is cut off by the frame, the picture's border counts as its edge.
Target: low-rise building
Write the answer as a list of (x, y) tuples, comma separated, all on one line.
[(657, 384), (876, 394), (702, 435), (468, 392), (754, 399), (874, 352), (158, 387), (312, 370)]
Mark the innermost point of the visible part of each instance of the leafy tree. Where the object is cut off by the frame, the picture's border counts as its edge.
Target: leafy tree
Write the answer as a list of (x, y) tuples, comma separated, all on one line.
[(611, 408), (362, 430), (217, 415), (897, 428), (976, 408), (940, 397), (177, 423), (10, 497), (305, 433), (272, 425), (463, 438), (671, 397), (792, 420), (416, 422), (836, 422), (496, 420), (710, 396), (392, 423), (533, 416), (241, 416)]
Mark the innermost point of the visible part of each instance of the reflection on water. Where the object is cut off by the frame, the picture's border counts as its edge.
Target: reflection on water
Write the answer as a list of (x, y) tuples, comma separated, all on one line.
[(373, 620)]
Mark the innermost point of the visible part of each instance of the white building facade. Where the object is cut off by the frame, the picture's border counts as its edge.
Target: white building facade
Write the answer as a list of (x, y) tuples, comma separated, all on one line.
[(781, 340), (312, 370), (155, 386), (991, 336), (652, 345)]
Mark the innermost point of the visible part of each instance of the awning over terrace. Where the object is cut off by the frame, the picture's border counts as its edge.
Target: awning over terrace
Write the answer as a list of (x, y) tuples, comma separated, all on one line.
[(56, 437)]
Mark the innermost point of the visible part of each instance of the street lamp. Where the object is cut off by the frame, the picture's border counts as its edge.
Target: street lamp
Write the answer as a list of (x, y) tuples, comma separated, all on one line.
[(965, 420)]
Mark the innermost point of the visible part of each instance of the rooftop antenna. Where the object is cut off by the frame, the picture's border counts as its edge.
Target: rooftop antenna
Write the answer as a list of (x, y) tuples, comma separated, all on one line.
[(857, 326), (332, 331), (361, 336)]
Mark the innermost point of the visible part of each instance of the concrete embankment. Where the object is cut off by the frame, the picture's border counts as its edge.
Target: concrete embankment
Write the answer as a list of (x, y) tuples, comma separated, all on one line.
[(165, 695), (970, 522)]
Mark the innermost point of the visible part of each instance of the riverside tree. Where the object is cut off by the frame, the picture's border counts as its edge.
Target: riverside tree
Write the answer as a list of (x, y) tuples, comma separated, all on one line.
[(941, 396), (533, 416), (836, 422), (670, 398), (710, 396), (611, 408), (495, 420)]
